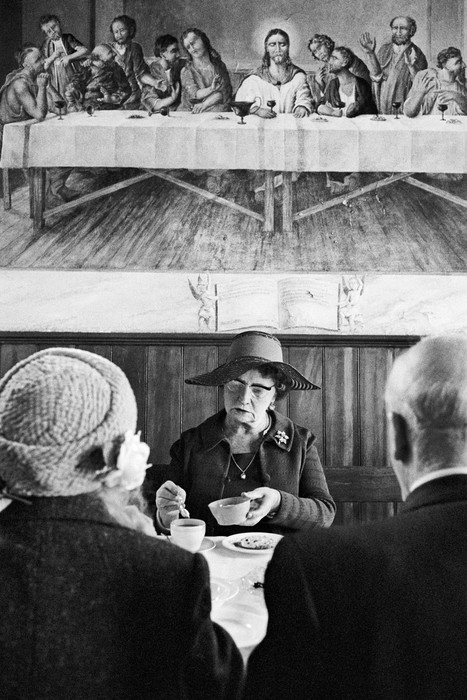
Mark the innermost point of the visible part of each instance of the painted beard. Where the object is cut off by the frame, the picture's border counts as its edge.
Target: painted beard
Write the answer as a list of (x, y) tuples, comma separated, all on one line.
[(280, 59), (400, 41)]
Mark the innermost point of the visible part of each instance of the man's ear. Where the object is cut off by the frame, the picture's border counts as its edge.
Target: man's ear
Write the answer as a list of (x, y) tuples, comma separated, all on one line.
[(402, 446)]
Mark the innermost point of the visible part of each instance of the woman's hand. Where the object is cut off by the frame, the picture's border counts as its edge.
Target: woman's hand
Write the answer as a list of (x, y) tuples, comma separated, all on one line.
[(264, 500), (168, 499)]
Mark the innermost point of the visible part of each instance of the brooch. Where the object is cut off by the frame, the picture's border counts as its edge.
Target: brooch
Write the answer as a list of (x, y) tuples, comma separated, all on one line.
[(281, 437)]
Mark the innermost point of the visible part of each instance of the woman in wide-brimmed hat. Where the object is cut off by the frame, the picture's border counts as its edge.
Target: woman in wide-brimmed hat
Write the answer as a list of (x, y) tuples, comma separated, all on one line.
[(249, 448)]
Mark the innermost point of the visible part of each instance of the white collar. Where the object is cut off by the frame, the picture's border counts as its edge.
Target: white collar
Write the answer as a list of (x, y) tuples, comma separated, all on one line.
[(438, 474)]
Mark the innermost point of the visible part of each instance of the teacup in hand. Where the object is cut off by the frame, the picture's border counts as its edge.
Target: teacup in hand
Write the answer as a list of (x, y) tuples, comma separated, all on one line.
[(230, 511), (188, 533)]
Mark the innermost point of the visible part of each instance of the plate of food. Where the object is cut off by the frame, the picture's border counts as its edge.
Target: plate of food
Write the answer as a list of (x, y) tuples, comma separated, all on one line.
[(252, 542)]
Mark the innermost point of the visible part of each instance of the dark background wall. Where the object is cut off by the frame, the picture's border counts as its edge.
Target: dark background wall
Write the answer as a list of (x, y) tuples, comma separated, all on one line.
[(237, 28), (10, 34)]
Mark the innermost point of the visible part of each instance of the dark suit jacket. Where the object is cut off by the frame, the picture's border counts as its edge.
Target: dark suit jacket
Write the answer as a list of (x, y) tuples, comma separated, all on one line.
[(94, 610), (371, 612)]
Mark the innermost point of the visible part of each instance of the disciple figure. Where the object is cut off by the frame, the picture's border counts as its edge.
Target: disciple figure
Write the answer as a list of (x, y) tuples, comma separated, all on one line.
[(62, 52), (395, 65)]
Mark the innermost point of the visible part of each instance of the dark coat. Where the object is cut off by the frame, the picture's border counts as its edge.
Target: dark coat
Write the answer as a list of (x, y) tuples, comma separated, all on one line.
[(201, 461), (94, 610), (364, 103), (376, 612)]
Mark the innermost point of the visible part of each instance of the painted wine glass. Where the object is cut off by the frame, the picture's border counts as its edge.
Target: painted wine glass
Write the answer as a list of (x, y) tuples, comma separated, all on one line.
[(271, 104), (396, 106), (60, 104), (442, 108)]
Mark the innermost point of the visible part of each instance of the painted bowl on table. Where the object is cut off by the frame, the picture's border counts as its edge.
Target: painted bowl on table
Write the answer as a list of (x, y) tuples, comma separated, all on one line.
[(230, 511)]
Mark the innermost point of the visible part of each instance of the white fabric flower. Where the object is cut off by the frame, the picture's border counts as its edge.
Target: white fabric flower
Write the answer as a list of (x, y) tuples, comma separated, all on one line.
[(132, 461)]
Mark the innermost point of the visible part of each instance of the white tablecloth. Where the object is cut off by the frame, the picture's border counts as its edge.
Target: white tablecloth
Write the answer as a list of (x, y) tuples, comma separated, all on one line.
[(245, 613), (212, 141)]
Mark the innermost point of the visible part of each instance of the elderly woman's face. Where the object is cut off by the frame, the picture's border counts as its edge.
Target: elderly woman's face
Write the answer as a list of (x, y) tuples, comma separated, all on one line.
[(248, 397)]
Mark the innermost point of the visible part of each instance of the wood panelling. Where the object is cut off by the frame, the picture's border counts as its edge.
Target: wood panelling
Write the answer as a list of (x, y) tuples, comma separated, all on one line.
[(164, 379), (307, 407), (341, 410), (374, 367), (199, 402), (346, 414), (132, 360)]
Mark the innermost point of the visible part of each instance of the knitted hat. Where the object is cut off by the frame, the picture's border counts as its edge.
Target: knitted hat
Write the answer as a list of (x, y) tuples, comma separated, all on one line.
[(250, 350), (56, 408)]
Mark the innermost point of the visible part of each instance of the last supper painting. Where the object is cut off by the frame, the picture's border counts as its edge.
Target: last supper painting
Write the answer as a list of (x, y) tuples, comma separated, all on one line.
[(159, 136)]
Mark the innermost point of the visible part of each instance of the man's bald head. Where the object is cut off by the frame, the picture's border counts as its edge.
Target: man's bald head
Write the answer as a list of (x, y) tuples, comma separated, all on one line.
[(427, 388), (103, 52)]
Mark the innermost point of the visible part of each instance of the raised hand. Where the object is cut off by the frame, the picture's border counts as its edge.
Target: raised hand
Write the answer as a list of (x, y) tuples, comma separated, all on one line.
[(426, 83), (216, 83), (367, 43), (321, 75)]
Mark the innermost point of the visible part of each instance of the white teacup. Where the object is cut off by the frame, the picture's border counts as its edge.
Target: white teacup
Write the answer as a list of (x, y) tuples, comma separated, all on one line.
[(188, 533)]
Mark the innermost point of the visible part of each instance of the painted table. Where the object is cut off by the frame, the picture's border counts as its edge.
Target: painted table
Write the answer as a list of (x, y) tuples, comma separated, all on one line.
[(285, 145)]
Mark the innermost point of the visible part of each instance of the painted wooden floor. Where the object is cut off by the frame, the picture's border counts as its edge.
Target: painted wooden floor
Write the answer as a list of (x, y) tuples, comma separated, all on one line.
[(155, 225)]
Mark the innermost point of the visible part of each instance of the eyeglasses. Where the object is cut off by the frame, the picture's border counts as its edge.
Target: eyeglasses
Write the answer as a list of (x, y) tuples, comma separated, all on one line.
[(236, 386)]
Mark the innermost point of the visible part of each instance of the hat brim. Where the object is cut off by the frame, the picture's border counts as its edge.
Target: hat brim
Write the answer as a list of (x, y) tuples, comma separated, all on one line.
[(235, 368)]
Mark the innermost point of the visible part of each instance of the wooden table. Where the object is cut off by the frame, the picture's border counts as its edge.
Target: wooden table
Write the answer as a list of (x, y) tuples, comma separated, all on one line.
[(119, 139)]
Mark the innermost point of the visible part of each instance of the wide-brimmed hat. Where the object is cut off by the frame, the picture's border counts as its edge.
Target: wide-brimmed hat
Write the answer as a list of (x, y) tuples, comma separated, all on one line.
[(250, 350), (57, 408)]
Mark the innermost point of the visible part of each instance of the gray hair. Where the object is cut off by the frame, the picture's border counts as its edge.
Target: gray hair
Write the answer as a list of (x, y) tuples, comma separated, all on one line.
[(428, 387)]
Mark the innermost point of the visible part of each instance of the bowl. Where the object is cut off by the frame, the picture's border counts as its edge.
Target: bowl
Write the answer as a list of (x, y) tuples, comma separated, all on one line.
[(230, 511)]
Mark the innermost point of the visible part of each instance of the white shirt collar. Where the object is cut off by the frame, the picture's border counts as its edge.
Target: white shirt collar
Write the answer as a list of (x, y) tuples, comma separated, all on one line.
[(438, 474)]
